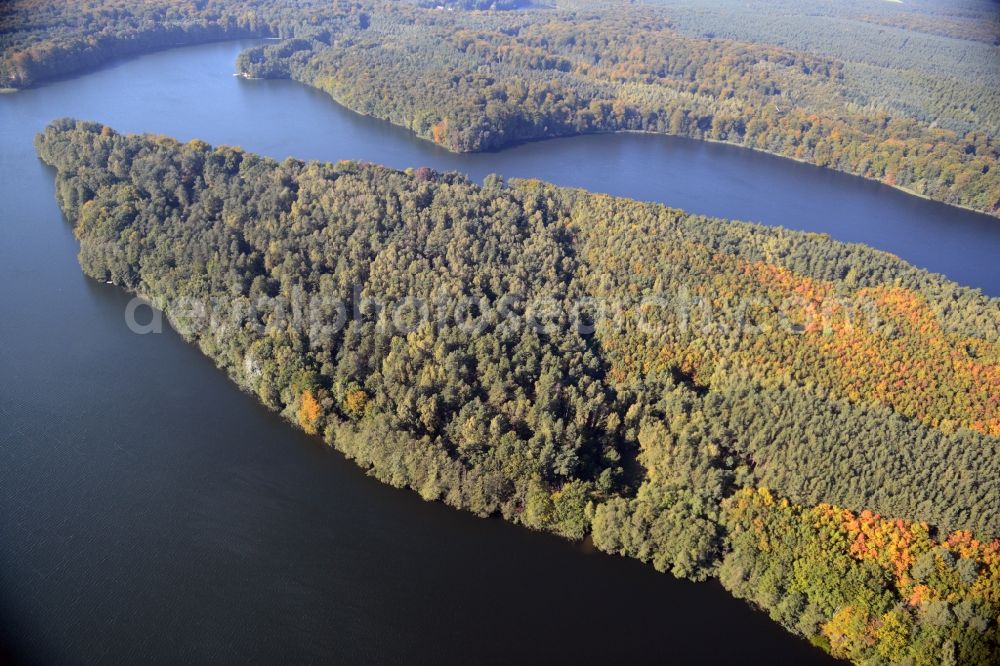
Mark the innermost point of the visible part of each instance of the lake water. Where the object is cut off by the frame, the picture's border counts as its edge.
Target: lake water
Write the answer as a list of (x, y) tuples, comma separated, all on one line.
[(149, 511)]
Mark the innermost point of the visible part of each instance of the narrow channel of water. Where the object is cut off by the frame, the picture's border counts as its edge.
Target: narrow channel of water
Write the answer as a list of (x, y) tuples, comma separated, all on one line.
[(148, 509)]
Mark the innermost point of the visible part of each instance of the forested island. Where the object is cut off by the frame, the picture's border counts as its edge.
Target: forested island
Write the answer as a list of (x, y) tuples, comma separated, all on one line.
[(904, 95), (816, 424)]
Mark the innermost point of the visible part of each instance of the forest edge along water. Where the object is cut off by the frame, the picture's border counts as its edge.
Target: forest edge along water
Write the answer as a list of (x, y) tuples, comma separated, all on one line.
[(145, 499)]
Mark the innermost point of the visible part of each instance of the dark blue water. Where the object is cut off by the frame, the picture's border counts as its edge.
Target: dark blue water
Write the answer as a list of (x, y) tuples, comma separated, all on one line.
[(149, 511), (194, 96)]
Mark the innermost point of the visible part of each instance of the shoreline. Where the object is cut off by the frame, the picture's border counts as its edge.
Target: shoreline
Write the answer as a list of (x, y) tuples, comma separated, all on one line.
[(512, 144), (900, 188)]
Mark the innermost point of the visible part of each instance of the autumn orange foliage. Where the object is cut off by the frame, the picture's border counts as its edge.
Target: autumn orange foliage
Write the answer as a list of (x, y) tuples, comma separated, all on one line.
[(309, 412), (439, 131), (896, 544)]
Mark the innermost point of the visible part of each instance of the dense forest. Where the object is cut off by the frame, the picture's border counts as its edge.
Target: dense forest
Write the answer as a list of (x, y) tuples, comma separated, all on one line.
[(816, 424), (45, 39), (904, 95)]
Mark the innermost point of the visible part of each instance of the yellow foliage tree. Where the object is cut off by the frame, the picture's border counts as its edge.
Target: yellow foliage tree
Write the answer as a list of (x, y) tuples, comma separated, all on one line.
[(355, 402), (309, 412)]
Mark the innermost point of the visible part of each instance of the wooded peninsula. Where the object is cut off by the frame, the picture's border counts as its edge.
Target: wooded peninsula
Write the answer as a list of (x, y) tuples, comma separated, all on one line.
[(814, 423), (907, 95)]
